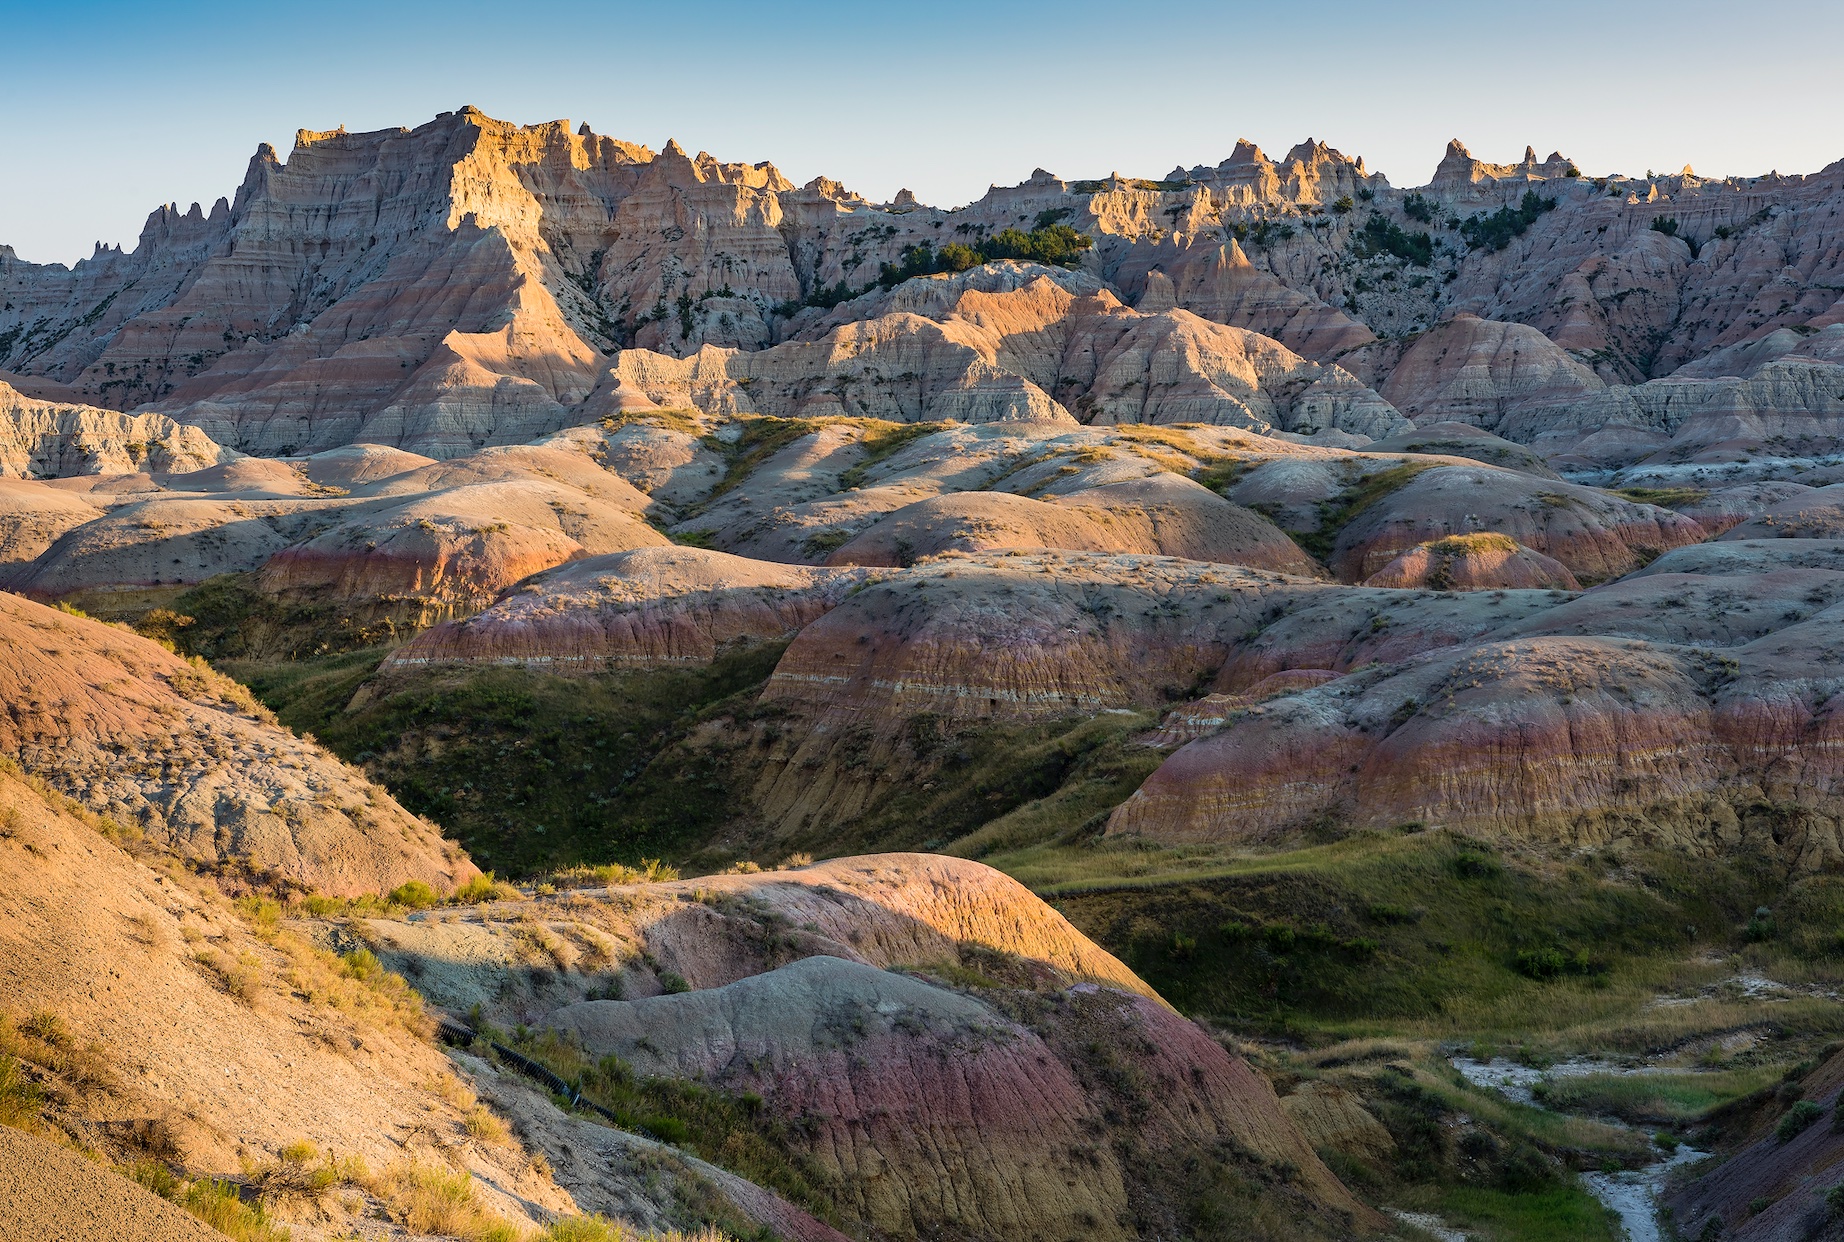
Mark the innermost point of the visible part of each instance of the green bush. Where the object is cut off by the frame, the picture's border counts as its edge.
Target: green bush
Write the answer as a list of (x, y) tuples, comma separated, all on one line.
[(1665, 225), (1798, 1119), (1382, 236), (1052, 244), (1495, 231), (414, 894), (1552, 963), (1469, 865)]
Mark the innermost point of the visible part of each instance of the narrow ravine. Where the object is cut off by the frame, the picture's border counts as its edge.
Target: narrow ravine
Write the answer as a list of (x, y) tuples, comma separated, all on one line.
[(1630, 1193)]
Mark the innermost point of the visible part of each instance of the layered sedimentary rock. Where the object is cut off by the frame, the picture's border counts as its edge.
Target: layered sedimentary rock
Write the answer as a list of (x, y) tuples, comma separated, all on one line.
[(651, 607), (470, 282), (1595, 535), (43, 439), (823, 991), (1164, 515), (184, 755), (1717, 698), (457, 548), (1478, 562), (974, 1121)]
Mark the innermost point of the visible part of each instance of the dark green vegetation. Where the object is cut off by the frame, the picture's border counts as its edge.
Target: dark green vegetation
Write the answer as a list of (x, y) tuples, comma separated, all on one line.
[(1665, 497), (1337, 513), (1654, 1099), (1433, 934), (230, 618), (532, 772), (1381, 236), (1495, 231), (1056, 245)]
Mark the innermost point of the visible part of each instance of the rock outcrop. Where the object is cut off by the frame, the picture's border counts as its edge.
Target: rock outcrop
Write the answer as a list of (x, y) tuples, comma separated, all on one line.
[(43, 439), (175, 751), (825, 993), (652, 607)]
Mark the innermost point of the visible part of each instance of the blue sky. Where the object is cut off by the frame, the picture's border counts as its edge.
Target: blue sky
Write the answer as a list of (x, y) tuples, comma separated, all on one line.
[(109, 109)]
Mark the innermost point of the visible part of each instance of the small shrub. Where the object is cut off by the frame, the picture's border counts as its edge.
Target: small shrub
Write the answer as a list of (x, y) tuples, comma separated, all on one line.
[(428, 1199), (1798, 1119), (20, 1098), (47, 1028), (1469, 865), (667, 1130), (673, 983), (1552, 963), (262, 913), (486, 1126), (584, 1229), (415, 894), (218, 1205), (362, 964), (154, 1176)]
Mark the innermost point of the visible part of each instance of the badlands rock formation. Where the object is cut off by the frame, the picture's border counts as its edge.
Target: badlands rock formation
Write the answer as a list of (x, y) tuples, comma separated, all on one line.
[(46, 440), (219, 1047), (822, 991), (173, 750), (650, 607)]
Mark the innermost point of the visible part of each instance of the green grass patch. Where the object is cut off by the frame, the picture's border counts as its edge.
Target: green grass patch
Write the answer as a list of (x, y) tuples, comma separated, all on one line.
[(1665, 497), (1654, 1099), (762, 437), (530, 771), (1338, 512), (883, 443), (1294, 943), (1565, 1213), (230, 618), (1003, 787)]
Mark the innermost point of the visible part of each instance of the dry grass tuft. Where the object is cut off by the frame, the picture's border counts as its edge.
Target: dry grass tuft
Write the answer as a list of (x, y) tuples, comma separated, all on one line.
[(356, 984), (218, 1205), (485, 1125), (429, 1199)]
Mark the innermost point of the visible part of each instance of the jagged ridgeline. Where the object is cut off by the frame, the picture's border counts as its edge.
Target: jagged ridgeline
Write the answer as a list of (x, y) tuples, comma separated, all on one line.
[(1386, 619)]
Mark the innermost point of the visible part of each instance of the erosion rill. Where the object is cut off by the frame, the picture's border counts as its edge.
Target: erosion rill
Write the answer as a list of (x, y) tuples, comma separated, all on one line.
[(1314, 703)]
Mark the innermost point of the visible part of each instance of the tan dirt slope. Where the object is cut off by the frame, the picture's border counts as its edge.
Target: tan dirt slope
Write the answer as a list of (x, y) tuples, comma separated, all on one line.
[(171, 749)]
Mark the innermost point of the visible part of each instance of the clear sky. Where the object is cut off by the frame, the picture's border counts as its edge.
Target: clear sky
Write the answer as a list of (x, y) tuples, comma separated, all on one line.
[(108, 109)]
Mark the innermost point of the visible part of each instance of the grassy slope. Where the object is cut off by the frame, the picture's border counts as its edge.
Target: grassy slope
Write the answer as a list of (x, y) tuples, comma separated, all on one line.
[(532, 772)]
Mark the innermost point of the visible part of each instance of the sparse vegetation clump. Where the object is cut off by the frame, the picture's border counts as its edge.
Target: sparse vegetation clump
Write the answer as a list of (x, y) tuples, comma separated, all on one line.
[(1384, 236), (1496, 231), (731, 1131), (1054, 245)]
